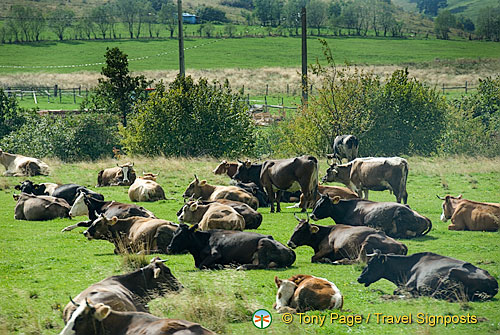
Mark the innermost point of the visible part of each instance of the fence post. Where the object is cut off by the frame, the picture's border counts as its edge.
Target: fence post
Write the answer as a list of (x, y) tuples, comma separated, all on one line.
[(443, 88), (80, 90), (243, 89), (287, 89), (74, 95), (55, 90), (8, 89), (60, 96), (466, 87), (265, 103), (267, 89)]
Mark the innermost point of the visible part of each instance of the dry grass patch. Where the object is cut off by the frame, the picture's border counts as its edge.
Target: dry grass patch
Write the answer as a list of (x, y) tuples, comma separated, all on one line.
[(456, 164)]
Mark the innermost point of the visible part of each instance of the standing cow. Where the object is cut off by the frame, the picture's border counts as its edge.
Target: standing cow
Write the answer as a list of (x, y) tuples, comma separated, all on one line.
[(345, 146), (121, 175), (20, 166)]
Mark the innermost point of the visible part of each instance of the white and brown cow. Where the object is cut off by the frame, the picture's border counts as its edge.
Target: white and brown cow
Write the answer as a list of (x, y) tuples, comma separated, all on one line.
[(120, 175), (470, 215), (226, 168), (302, 293), (372, 173), (214, 215), (20, 166), (203, 191), (146, 188)]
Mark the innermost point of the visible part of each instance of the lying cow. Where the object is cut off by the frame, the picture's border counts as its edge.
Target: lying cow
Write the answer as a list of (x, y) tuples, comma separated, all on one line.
[(430, 274), (20, 166), (396, 220), (211, 216), (109, 321), (201, 190), (70, 192), (226, 168), (372, 173), (87, 205), (216, 248), (121, 175), (331, 191), (39, 208), (29, 187), (470, 215), (302, 293), (253, 219), (258, 192), (133, 234), (127, 292), (146, 188), (342, 244), (345, 146)]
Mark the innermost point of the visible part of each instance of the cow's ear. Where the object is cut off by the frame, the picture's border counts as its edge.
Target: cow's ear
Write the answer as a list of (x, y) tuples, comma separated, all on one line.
[(16, 196), (314, 229), (459, 196), (193, 207), (102, 312), (277, 281), (335, 200), (203, 182), (113, 221)]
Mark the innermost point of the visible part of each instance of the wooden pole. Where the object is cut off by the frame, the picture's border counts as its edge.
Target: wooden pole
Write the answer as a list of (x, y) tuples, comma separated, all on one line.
[(304, 56), (182, 69)]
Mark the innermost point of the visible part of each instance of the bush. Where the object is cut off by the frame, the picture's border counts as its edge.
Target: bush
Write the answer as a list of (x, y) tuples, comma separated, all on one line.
[(79, 137), (190, 119), (11, 115)]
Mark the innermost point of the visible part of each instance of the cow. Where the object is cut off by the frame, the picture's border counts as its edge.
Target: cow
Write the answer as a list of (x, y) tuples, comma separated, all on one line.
[(226, 168), (302, 293), (146, 189), (214, 249), (201, 190), (133, 234), (342, 244), (331, 191), (372, 173), (21, 166), (100, 319), (29, 187), (289, 175), (258, 192), (70, 192), (345, 146), (121, 175), (470, 215), (211, 216), (39, 208), (253, 219), (396, 220), (87, 205), (430, 274), (128, 292)]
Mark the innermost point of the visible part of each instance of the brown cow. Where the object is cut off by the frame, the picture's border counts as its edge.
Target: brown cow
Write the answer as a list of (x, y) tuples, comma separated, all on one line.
[(121, 175), (20, 166), (302, 293), (470, 215), (372, 173), (102, 319), (211, 216), (146, 188), (293, 174), (331, 191), (40, 208), (226, 168), (201, 190)]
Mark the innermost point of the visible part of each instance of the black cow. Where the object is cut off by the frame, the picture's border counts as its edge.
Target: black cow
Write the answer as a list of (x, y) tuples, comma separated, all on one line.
[(70, 192), (252, 188), (342, 244), (249, 173), (430, 274), (345, 146), (215, 248), (396, 220)]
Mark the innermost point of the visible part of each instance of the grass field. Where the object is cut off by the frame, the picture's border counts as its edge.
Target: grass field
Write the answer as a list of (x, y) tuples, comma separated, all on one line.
[(40, 266)]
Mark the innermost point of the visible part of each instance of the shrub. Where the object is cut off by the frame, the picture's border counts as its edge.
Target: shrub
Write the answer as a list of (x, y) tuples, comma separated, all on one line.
[(190, 119), (11, 115)]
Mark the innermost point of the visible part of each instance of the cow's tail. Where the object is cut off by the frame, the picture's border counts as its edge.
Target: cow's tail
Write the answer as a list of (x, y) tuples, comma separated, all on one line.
[(402, 187), (99, 178), (314, 180), (429, 227), (32, 169)]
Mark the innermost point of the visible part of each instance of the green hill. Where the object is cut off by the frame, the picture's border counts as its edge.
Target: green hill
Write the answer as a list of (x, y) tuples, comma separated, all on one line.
[(468, 8)]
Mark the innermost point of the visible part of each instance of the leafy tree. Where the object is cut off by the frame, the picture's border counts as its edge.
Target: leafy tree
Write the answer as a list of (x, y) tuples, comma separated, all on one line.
[(465, 24), (442, 24), (190, 119), (268, 11), (317, 14), (21, 16), (11, 115), (291, 14), (130, 11), (168, 16), (119, 91), (60, 20), (102, 19), (208, 29), (210, 14), (229, 29), (488, 23), (430, 7), (37, 23)]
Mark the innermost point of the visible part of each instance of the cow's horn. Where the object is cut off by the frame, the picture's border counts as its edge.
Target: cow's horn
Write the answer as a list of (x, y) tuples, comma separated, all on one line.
[(87, 302), (439, 197), (294, 214), (307, 214), (74, 303), (371, 255), (163, 260)]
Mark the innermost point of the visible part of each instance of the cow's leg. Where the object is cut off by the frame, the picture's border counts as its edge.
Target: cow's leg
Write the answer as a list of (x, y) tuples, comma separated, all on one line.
[(79, 224), (210, 261), (278, 199), (323, 256), (365, 191)]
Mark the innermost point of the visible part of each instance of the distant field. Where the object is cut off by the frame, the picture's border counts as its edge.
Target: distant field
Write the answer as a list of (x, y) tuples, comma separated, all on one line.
[(250, 53)]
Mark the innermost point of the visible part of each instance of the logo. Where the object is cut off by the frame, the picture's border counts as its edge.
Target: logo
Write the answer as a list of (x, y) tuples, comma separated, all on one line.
[(262, 319)]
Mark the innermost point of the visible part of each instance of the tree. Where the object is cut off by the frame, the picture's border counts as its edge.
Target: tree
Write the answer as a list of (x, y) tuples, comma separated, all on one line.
[(37, 23), (11, 115), (102, 19), (230, 29), (209, 29), (317, 14), (21, 17), (488, 23), (210, 14), (268, 11), (291, 14), (430, 7), (85, 27), (442, 24), (129, 11), (60, 20), (168, 16)]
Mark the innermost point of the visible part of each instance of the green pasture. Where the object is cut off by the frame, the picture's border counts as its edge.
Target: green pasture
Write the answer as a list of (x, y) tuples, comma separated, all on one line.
[(249, 53), (40, 267)]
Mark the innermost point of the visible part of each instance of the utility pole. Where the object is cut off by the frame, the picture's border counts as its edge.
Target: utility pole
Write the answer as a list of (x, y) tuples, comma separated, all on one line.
[(304, 56), (182, 69)]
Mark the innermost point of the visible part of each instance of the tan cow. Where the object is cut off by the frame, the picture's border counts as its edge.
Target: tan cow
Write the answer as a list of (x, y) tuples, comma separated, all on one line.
[(20, 166), (203, 191), (40, 208), (302, 293), (226, 168), (470, 215), (146, 188), (120, 175), (211, 216)]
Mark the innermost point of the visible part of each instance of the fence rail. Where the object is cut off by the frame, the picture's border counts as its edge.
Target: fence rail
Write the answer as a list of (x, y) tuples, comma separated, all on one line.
[(45, 91)]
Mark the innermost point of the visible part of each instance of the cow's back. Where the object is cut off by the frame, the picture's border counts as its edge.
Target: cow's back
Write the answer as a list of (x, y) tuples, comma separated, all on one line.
[(220, 216), (235, 194), (478, 216), (41, 208)]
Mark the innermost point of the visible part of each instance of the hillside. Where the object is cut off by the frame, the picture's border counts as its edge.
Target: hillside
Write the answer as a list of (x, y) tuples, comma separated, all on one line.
[(468, 8)]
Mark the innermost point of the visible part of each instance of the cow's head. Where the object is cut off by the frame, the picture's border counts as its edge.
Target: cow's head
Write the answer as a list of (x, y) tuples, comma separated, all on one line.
[(243, 171), (159, 277), (286, 289), (449, 205), (302, 233), (182, 239), (375, 268), (79, 207), (194, 189), (222, 167), (86, 318), (127, 170), (188, 212), (100, 228), (324, 207)]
